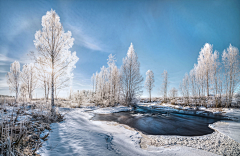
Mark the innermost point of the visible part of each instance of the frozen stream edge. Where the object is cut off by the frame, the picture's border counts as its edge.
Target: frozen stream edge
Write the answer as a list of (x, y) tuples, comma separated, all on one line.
[(80, 136)]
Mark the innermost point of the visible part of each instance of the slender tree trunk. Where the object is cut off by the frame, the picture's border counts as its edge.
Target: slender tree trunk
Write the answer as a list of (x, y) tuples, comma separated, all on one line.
[(31, 85), (45, 89), (16, 93), (48, 87), (207, 89), (16, 97), (150, 96), (52, 100)]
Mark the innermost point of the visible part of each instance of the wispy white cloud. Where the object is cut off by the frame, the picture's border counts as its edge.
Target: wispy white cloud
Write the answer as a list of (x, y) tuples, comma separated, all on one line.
[(85, 40), (5, 58)]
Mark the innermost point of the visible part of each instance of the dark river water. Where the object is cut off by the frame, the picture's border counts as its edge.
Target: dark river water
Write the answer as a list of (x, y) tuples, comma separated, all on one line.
[(161, 123)]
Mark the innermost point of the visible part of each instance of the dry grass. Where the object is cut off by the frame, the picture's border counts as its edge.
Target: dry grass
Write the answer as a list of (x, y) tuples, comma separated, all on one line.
[(22, 124)]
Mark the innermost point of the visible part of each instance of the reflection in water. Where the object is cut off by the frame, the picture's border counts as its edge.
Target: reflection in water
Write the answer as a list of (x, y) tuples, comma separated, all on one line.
[(161, 123)]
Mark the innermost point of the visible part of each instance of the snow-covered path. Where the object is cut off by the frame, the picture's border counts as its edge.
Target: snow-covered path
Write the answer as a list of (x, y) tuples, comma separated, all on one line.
[(78, 135)]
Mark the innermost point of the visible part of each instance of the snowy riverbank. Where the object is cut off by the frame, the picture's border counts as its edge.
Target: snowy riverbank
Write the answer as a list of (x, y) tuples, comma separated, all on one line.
[(79, 135), (229, 128)]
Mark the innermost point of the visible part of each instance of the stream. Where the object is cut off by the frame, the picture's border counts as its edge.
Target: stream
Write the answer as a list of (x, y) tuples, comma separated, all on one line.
[(161, 122)]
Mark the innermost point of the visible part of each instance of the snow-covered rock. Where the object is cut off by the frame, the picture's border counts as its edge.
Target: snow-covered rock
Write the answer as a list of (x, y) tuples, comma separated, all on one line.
[(202, 108), (108, 110)]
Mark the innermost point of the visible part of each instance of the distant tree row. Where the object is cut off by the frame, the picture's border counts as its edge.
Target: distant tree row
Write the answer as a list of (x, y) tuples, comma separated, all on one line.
[(24, 82), (208, 79), (212, 78)]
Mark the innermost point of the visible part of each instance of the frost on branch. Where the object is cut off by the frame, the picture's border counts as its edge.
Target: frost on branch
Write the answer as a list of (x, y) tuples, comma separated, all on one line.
[(53, 55), (131, 79)]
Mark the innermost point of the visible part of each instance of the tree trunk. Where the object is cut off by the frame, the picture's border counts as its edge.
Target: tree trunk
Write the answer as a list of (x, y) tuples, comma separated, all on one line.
[(45, 88), (52, 100), (150, 97), (16, 97)]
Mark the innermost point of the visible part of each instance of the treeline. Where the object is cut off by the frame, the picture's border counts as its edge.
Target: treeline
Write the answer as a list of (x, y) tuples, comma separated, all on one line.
[(210, 81), (211, 78)]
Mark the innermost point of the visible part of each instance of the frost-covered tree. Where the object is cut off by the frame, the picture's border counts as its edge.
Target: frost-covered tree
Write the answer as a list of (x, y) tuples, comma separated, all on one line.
[(173, 92), (93, 80), (149, 83), (231, 64), (165, 83), (185, 88), (216, 78), (200, 79), (206, 63), (113, 79), (193, 82), (107, 84), (29, 78), (13, 78), (53, 45), (102, 87), (131, 79)]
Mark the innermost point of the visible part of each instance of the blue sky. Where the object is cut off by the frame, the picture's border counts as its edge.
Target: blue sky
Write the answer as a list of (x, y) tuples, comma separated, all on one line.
[(167, 35)]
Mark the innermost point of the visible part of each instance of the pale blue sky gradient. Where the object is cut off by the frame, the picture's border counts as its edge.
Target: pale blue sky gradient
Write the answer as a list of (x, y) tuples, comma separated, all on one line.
[(167, 35)]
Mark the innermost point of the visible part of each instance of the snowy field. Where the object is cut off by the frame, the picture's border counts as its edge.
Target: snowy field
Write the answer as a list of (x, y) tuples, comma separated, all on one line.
[(79, 135)]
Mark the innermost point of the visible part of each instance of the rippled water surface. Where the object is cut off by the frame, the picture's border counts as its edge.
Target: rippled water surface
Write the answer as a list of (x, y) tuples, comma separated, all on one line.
[(161, 123)]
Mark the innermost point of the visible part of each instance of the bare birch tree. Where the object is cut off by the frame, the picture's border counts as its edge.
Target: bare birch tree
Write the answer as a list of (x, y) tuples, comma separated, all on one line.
[(107, 84), (173, 92), (216, 77), (205, 61), (131, 79), (149, 83), (13, 78), (165, 84), (185, 88), (53, 45), (93, 80), (231, 68), (29, 78), (113, 79)]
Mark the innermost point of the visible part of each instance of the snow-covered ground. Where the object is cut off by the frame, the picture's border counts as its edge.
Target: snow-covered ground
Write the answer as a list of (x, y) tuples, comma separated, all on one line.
[(78, 135), (229, 128)]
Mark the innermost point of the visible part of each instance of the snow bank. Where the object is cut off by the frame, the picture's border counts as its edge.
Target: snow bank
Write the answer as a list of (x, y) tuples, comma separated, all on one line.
[(228, 128), (109, 110)]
